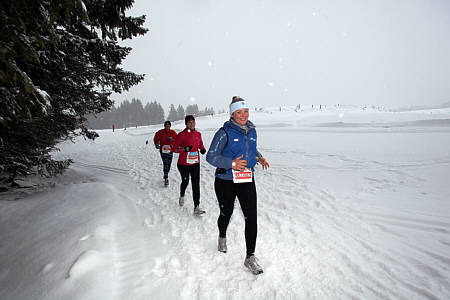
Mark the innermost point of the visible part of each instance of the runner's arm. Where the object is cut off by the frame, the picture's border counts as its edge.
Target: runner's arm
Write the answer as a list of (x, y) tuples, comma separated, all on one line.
[(177, 146), (156, 138), (214, 155)]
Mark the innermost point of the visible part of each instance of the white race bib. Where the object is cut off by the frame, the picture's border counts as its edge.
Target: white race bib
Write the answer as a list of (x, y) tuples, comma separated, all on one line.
[(192, 158), (165, 149), (242, 176)]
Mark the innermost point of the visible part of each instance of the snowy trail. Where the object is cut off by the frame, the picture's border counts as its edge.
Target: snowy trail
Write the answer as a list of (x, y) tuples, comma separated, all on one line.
[(323, 244), (342, 214)]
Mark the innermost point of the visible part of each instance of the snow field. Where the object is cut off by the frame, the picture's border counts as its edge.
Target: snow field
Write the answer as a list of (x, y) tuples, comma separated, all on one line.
[(343, 212)]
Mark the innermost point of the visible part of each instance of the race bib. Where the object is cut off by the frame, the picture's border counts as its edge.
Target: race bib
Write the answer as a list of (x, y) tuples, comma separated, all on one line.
[(166, 149), (192, 157), (242, 176)]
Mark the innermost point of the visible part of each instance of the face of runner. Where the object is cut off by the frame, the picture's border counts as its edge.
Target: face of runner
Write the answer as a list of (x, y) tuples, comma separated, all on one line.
[(240, 116), (190, 125), (167, 127)]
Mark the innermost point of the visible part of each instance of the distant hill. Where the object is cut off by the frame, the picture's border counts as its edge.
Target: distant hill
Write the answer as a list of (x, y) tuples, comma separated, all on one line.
[(422, 107)]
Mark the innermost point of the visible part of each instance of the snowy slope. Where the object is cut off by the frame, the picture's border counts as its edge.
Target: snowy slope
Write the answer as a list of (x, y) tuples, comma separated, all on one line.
[(355, 205)]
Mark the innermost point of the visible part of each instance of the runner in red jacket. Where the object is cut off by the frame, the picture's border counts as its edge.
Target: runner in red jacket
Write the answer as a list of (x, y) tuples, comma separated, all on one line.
[(188, 144), (164, 140)]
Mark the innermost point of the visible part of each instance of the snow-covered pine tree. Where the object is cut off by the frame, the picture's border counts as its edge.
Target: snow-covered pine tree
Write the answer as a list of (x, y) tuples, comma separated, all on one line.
[(156, 113), (172, 113), (192, 109), (180, 112), (59, 61)]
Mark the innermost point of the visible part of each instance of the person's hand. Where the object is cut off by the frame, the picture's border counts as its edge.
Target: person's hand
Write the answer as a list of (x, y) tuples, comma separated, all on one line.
[(265, 165), (188, 148), (239, 164), (157, 146), (203, 151)]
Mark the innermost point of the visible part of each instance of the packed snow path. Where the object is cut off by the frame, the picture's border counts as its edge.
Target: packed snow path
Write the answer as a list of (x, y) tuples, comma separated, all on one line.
[(356, 214), (315, 240)]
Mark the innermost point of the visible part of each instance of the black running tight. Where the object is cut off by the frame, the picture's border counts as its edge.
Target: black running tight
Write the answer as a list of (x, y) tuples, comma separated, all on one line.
[(226, 192), (167, 161), (194, 172)]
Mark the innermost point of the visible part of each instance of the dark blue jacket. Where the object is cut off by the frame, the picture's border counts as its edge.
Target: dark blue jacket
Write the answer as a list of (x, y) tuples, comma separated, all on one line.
[(230, 142)]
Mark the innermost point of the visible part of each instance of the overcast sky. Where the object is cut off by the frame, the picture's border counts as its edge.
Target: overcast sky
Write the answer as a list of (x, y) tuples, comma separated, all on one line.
[(288, 52)]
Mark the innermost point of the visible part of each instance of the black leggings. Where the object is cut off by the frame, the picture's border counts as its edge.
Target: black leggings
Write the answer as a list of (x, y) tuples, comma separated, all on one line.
[(167, 161), (194, 172), (226, 192)]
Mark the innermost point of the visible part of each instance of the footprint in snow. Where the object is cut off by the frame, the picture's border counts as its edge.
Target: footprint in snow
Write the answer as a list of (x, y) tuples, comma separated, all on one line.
[(87, 262), (86, 237)]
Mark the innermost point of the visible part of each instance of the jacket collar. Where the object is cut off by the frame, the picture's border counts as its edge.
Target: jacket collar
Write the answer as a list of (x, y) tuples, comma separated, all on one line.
[(233, 125)]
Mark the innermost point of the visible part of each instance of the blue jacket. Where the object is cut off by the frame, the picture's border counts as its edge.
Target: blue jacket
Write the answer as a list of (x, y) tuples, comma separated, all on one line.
[(230, 142)]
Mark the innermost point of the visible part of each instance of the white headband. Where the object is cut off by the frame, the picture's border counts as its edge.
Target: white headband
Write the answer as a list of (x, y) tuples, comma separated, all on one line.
[(237, 105)]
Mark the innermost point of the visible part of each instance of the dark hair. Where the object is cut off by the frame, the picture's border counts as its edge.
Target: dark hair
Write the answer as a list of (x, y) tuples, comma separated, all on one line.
[(167, 123), (188, 118), (236, 99)]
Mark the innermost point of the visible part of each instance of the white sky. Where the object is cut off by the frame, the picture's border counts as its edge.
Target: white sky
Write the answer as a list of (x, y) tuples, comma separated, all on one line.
[(391, 53)]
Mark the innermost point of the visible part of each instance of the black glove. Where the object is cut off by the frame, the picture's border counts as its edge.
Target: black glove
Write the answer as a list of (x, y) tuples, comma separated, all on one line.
[(157, 146), (188, 148), (203, 151)]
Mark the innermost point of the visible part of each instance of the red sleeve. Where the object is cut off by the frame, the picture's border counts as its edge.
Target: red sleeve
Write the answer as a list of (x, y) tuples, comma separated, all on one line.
[(156, 138), (177, 144)]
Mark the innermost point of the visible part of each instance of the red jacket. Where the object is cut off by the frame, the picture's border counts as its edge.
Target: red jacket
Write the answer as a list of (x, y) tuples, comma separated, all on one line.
[(188, 138), (163, 137)]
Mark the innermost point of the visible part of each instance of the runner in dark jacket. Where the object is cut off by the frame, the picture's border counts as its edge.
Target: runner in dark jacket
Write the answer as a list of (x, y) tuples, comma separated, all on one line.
[(234, 153), (164, 140), (188, 143)]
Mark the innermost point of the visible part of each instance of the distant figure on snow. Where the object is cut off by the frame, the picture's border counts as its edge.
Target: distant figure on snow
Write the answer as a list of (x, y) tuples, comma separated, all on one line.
[(164, 140)]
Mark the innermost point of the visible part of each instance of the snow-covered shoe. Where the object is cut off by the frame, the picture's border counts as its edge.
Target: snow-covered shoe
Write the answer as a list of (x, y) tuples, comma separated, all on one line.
[(181, 201), (222, 247), (251, 263), (198, 211), (166, 181)]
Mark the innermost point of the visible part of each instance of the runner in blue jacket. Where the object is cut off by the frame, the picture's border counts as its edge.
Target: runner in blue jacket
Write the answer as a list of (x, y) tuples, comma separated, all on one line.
[(234, 153)]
